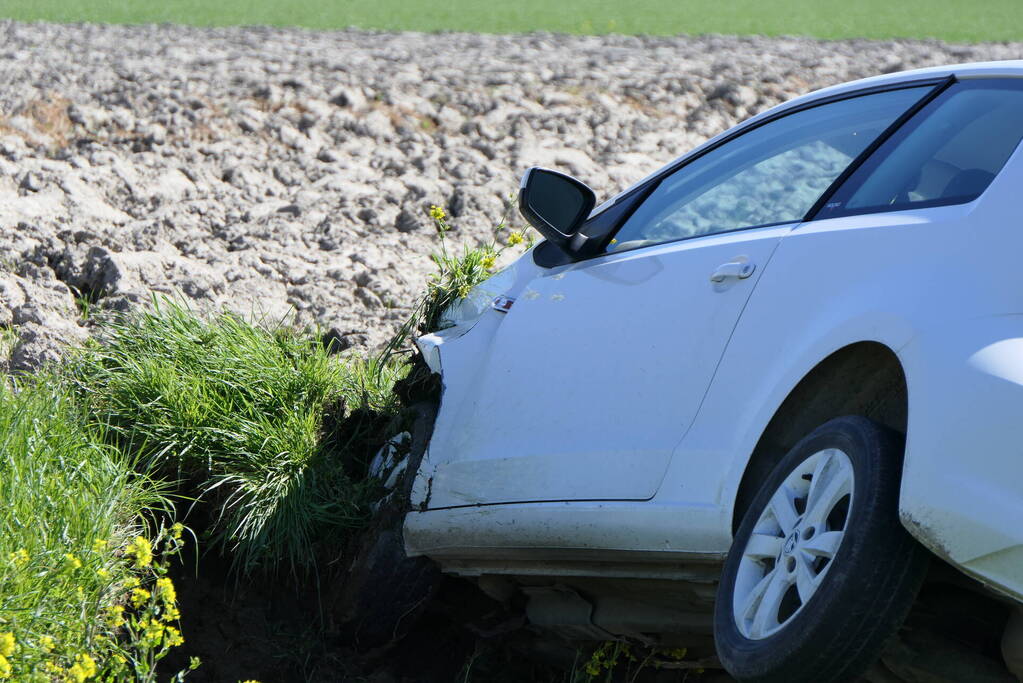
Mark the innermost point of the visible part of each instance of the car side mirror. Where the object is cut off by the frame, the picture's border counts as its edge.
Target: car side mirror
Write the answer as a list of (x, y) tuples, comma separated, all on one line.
[(555, 204)]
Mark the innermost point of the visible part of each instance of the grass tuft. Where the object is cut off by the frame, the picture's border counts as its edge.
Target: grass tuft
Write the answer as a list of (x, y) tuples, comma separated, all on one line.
[(236, 413), (455, 275)]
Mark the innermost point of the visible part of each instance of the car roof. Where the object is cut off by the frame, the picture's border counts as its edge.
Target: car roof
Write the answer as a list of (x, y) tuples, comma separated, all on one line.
[(1002, 69)]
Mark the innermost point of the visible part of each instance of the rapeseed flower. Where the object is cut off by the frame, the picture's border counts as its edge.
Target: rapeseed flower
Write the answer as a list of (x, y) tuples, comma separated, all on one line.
[(142, 550), (151, 632), (83, 669), (165, 590), (71, 562), (437, 213), (139, 596), (6, 644), (46, 644), (515, 238), (5, 667), (170, 613), (19, 557), (115, 616), (173, 637), (488, 261)]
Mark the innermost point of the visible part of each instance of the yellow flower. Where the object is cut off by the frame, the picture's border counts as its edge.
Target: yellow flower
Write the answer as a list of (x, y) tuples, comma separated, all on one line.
[(176, 530), (151, 632), (99, 545), (171, 614), (515, 238), (83, 669), (463, 291), (102, 573), (19, 557), (165, 589), (46, 644), (72, 562), (139, 596), (115, 616), (6, 644), (131, 582), (5, 667), (173, 638), (437, 213), (488, 262), (142, 550)]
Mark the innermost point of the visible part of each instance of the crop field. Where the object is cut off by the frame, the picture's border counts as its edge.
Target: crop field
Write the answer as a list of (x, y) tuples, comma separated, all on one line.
[(953, 20)]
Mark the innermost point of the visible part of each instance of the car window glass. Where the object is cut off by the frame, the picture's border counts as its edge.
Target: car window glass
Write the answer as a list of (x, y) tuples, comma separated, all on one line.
[(772, 174), (948, 154)]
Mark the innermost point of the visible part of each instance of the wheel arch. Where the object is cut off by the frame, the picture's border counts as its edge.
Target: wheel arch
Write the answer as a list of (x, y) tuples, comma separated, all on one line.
[(864, 378)]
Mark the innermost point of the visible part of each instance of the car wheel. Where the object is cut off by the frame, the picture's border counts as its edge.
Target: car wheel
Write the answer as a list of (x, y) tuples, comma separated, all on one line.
[(820, 572)]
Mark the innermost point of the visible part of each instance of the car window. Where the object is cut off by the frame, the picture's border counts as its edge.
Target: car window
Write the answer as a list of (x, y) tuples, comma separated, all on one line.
[(948, 154), (770, 175)]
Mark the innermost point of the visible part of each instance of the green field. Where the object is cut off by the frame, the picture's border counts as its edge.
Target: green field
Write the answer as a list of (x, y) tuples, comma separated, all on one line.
[(954, 20)]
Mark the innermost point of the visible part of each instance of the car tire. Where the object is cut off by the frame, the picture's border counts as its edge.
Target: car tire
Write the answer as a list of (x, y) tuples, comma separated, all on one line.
[(821, 572)]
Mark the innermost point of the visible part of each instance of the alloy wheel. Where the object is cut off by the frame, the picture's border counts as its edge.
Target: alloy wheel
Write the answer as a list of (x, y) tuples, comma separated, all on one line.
[(793, 544)]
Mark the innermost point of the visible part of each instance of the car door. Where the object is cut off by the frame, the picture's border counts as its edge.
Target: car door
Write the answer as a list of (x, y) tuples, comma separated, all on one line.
[(595, 373)]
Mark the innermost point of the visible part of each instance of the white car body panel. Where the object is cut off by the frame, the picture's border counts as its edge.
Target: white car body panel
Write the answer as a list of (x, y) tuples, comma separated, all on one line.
[(503, 441), (940, 287)]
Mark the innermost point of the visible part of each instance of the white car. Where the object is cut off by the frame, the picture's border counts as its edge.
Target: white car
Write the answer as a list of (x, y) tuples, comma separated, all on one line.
[(757, 384)]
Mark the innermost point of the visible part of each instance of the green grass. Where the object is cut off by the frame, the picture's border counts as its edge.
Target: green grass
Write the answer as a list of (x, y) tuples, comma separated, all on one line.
[(262, 425), (955, 20), (68, 505), (264, 431)]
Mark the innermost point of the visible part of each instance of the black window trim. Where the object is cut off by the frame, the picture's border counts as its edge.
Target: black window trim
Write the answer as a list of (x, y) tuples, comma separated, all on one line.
[(938, 83), (895, 208), (958, 200), (870, 149)]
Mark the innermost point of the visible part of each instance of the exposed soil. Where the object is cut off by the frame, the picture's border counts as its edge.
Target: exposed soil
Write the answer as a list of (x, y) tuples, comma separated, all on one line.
[(286, 171)]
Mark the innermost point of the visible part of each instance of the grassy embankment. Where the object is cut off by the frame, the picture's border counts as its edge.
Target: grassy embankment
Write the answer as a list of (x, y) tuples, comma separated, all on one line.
[(257, 436), (953, 20), (100, 457)]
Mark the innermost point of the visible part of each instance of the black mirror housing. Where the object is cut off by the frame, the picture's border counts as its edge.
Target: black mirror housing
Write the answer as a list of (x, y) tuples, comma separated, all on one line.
[(555, 204)]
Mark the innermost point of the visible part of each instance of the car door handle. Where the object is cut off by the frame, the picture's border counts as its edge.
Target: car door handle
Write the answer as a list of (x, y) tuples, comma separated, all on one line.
[(739, 270)]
